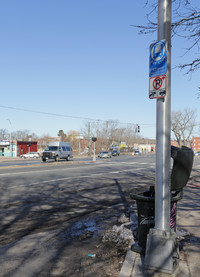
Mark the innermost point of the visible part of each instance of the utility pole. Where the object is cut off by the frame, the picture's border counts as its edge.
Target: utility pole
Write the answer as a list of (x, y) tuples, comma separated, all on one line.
[(79, 145), (89, 140), (10, 137), (94, 139), (162, 248)]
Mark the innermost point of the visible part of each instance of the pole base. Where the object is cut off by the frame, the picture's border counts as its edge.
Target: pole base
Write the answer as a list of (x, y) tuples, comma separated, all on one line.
[(162, 253)]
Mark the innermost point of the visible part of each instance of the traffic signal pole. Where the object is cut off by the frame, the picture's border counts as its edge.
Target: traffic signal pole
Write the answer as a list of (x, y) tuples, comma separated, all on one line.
[(162, 249)]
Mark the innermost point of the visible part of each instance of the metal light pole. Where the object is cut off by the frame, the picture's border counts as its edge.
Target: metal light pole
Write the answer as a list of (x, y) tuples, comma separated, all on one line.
[(94, 139), (162, 248), (94, 157), (163, 127), (89, 143), (10, 137), (79, 144)]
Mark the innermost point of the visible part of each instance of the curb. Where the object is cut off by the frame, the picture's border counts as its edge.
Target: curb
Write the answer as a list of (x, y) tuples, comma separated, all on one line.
[(128, 264), (133, 266)]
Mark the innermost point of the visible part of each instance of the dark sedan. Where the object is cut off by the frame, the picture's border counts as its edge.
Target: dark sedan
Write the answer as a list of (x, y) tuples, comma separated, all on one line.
[(115, 153)]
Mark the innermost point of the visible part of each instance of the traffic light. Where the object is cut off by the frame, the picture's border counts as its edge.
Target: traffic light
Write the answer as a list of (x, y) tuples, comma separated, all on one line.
[(138, 128)]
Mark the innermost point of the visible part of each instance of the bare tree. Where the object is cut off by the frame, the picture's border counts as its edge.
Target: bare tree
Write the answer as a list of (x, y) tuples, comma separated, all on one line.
[(73, 137), (110, 133), (18, 135), (43, 141), (4, 134), (130, 135), (183, 123), (185, 24), (62, 135), (105, 131), (23, 135)]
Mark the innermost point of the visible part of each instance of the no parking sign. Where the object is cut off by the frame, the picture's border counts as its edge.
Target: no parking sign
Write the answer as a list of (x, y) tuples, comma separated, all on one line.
[(157, 86)]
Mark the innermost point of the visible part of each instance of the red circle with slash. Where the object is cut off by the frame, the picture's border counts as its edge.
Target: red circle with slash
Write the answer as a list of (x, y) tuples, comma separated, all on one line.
[(157, 83)]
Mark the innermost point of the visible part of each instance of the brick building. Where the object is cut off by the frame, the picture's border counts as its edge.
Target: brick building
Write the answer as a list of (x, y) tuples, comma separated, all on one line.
[(24, 147), (196, 144)]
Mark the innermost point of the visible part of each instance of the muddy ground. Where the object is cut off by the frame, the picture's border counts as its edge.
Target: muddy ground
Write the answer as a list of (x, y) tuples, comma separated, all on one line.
[(88, 247)]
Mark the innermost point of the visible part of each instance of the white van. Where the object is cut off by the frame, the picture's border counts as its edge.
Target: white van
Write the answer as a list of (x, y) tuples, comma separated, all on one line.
[(57, 150)]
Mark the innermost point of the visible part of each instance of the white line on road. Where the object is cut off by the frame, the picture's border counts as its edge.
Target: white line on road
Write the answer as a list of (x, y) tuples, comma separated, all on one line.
[(75, 168), (75, 177)]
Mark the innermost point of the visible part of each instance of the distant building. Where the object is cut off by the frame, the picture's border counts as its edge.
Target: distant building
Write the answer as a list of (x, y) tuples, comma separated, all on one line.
[(8, 148), (147, 148), (24, 147), (196, 144), (186, 143), (174, 143), (146, 145)]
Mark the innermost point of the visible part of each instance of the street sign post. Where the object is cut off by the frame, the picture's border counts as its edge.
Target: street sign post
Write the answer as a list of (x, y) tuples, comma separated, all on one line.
[(162, 253), (157, 87)]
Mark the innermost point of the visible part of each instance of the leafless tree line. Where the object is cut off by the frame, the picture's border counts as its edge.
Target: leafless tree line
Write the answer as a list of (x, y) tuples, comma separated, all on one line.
[(108, 133), (183, 124), (17, 135), (111, 133)]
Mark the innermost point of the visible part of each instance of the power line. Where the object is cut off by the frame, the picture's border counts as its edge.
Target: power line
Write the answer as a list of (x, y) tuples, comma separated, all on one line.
[(46, 113), (68, 116)]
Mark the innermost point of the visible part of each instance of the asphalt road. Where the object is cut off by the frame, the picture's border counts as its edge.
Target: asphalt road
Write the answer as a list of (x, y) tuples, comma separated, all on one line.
[(40, 182), (50, 211), (52, 215)]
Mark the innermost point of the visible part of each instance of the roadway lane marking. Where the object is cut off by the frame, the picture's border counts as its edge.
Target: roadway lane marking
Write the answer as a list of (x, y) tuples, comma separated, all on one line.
[(72, 178), (75, 168), (40, 171), (26, 172)]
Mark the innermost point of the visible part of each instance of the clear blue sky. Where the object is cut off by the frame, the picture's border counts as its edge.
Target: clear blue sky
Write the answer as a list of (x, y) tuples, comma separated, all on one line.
[(82, 59)]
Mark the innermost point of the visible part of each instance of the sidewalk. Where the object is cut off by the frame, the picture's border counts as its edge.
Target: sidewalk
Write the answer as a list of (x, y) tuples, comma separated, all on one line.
[(188, 221), (8, 159)]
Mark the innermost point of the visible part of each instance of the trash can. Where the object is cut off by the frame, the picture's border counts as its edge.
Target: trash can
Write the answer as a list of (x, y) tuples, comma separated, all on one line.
[(146, 213), (182, 166), (181, 170)]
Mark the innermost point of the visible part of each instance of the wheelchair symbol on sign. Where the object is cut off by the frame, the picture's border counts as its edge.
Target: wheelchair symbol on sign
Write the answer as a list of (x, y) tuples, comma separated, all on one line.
[(157, 83), (158, 51)]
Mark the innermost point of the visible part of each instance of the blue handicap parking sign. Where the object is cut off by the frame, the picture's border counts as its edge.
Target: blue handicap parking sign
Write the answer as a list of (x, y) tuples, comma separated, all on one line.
[(158, 58)]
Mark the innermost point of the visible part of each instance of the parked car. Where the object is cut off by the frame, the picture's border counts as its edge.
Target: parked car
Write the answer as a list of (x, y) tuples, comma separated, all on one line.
[(99, 155), (115, 153), (136, 152), (34, 155), (197, 153), (105, 154)]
